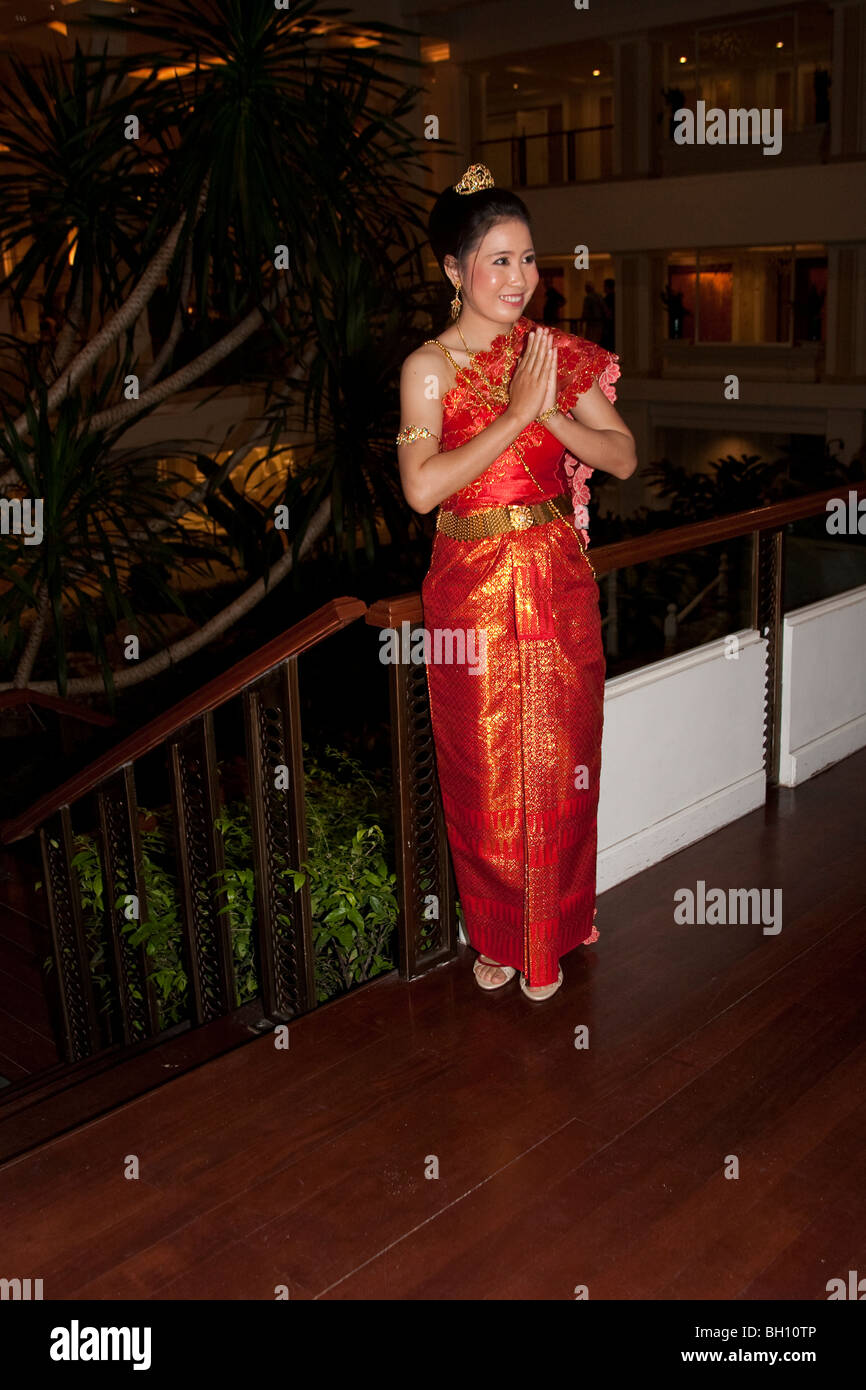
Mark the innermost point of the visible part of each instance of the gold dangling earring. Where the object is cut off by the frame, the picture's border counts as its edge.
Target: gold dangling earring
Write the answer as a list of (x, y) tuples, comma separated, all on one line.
[(456, 303)]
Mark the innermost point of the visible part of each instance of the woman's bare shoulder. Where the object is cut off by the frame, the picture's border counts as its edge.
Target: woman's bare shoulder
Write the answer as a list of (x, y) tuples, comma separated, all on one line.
[(422, 357)]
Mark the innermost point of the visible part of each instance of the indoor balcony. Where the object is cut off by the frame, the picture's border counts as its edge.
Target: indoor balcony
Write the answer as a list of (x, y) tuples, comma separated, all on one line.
[(707, 1033), (718, 638)]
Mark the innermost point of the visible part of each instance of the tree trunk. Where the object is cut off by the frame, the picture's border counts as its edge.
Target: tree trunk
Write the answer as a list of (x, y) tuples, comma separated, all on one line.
[(126, 315), (164, 355), (184, 378), (187, 646), (70, 329), (34, 641)]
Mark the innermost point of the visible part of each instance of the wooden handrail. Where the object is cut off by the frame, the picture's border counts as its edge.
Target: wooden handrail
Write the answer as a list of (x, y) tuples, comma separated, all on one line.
[(660, 544), (330, 618), (391, 612), (11, 699)]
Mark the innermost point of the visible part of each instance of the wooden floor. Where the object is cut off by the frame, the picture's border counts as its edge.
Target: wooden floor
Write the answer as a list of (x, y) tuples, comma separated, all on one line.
[(557, 1167)]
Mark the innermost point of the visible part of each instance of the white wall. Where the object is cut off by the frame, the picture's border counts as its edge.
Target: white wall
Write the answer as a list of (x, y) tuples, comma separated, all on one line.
[(823, 715), (682, 753), (816, 202)]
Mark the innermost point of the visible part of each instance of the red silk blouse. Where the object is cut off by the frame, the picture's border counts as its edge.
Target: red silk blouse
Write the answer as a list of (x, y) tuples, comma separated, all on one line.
[(468, 407)]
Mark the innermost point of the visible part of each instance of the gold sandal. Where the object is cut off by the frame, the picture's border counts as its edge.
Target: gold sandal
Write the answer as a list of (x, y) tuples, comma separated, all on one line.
[(508, 971), (539, 992)]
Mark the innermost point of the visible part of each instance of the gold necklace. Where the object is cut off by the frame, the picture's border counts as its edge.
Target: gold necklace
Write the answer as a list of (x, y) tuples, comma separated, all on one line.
[(498, 390), (502, 399), (458, 369)]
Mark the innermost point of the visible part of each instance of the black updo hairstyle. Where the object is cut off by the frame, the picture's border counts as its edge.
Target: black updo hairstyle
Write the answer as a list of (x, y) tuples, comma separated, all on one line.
[(459, 221)]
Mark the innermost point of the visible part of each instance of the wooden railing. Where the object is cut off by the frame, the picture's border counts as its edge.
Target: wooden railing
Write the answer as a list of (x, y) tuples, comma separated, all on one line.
[(424, 871), (425, 874), (69, 709), (766, 525), (267, 683), (287, 647)]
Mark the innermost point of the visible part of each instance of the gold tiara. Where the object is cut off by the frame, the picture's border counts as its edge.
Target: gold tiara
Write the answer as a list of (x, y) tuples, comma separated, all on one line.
[(477, 176)]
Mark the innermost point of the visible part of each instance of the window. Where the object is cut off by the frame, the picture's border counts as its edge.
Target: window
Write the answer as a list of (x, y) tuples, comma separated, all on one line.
[(776, 60), (759, 294)]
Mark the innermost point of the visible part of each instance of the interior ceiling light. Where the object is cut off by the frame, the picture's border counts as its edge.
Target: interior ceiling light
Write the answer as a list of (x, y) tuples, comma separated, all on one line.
[(164, 74), (435, 51), (181, 70)]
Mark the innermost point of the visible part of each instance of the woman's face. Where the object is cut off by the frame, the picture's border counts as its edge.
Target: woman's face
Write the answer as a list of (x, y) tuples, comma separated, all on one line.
[(500, 275)]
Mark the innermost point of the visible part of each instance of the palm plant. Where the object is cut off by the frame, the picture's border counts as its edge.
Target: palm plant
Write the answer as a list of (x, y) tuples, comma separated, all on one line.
[(728, 485), (346, 404), (99, 502), (731, 484), (271, 188)]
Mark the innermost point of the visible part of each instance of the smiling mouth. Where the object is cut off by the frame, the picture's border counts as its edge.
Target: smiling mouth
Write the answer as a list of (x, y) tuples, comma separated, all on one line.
[(511, 298)]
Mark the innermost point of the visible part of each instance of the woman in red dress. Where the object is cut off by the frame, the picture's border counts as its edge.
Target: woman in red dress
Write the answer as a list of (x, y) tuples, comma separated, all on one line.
[(502, 423)]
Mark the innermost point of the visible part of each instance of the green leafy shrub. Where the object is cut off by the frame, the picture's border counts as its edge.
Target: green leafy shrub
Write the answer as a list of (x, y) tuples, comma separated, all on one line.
[(352, 890)]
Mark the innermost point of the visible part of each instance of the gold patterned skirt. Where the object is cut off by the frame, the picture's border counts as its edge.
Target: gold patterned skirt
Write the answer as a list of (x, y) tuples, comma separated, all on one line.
[(518, 737)]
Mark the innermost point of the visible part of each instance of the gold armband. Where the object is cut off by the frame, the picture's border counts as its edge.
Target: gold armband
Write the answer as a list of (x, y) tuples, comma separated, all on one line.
[(547, 414), (410, 433)]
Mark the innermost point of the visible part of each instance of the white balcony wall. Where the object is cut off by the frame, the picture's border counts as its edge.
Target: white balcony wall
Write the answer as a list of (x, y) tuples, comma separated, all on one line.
[(784, 205), (682, 753), (823, 716)]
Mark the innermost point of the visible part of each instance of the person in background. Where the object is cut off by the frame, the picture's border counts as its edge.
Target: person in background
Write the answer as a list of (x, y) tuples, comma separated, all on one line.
[(553, 304), (592, 313), (608, 336)]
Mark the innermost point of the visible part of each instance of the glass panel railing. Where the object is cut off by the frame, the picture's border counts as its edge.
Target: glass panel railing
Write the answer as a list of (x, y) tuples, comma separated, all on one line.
[(821, 562), (663, 607), (558, 157), (496, 154)]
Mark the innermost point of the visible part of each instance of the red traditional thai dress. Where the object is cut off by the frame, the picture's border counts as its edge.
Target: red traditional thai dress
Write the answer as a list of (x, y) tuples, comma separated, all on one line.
[(518, 742)]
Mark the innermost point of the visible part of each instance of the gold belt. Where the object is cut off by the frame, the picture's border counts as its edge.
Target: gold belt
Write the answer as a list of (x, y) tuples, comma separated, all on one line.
[(495, 521)]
